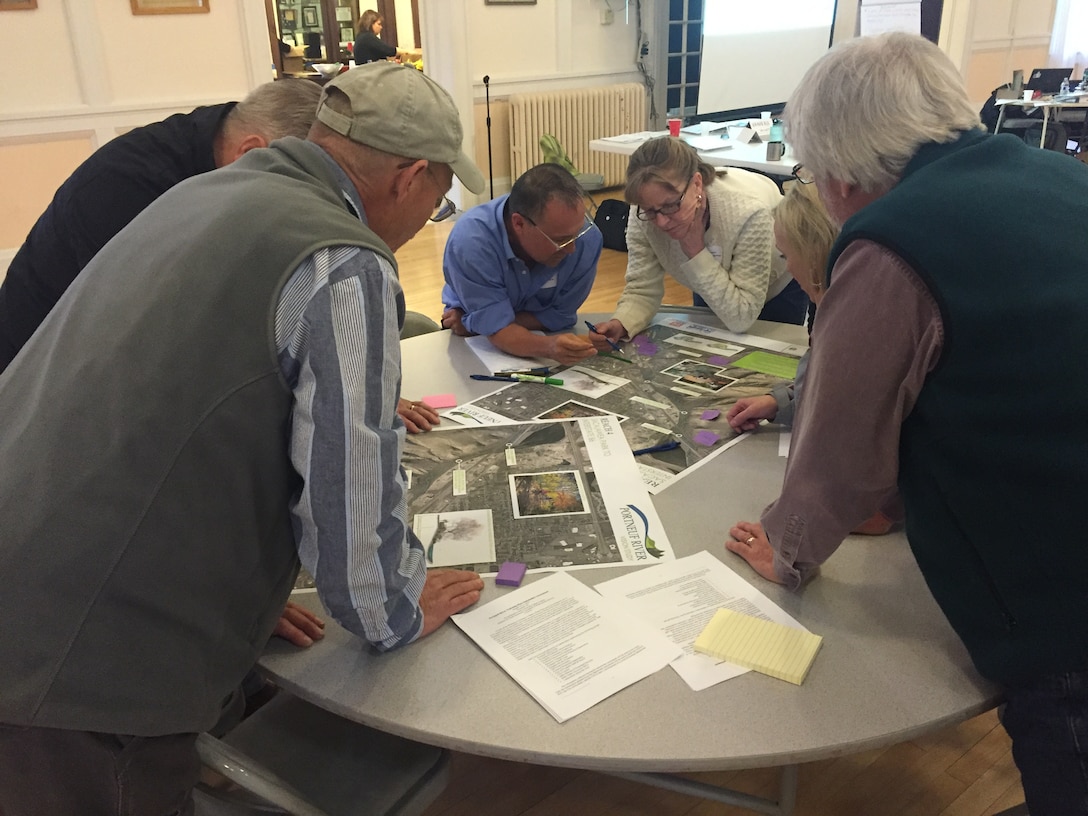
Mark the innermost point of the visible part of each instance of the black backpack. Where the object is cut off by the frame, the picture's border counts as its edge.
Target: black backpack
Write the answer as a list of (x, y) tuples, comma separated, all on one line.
[(611, 220)]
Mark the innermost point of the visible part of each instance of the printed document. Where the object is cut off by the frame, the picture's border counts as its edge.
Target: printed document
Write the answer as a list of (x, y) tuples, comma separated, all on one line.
[(565, 644), (680, 598)]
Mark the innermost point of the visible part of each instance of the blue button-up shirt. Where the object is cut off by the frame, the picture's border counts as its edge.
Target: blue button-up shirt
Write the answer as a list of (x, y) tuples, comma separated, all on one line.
[(490, 284)]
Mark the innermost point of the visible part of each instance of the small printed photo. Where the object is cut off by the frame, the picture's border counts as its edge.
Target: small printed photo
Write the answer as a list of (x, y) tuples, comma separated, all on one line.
[(711, 382), (693, 367), (572, 409), (556, 493), (456, 537)]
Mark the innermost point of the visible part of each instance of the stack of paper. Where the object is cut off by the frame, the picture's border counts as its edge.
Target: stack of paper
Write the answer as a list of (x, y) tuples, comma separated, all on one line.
[(565, 644), (708, 143), (768, 647)]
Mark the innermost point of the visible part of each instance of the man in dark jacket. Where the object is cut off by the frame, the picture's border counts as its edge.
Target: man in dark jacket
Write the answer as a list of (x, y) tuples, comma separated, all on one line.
[(120, 179)]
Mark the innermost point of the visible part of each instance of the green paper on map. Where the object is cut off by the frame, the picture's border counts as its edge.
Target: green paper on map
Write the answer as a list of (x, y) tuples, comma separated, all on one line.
[(773, 364)]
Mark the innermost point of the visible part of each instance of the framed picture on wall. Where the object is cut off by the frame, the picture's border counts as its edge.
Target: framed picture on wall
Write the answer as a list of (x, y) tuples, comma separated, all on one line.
[(287, 19), (169, 6), (309, 16), (347, 34)]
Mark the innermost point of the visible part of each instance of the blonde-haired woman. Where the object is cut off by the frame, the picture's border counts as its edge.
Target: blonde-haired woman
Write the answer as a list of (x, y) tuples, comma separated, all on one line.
[(803, 234), (711, 233)]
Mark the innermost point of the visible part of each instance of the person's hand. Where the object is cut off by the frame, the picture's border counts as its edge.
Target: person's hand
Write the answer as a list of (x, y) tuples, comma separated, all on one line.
[(570, 348), (451, 319), (611, 329), (417, 416), (750, 543), (746, 412), (447, 592), (299, 626)]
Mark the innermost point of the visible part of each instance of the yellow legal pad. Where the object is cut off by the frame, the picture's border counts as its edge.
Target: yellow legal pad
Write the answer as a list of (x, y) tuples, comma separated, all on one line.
[(762, 645)]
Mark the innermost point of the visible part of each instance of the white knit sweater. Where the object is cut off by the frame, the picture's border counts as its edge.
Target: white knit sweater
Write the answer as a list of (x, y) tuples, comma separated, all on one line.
[(737, 272)]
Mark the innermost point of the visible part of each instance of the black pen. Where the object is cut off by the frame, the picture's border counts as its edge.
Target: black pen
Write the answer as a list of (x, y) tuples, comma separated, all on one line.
[(664, 446), (607, 339), (518, 378)]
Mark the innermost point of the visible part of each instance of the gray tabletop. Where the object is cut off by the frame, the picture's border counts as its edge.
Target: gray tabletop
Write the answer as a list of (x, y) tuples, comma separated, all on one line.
[(890, 667)]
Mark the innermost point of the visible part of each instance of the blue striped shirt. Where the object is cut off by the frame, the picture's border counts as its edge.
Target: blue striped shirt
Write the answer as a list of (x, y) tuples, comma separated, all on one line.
[(338, 337)]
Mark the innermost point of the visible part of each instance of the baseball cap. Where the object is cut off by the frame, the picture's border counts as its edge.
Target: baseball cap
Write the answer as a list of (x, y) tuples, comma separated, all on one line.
[(399, 110)]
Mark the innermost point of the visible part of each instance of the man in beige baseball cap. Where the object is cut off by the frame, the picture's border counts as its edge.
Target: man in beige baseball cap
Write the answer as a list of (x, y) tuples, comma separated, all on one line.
[(398, 110), (242, 418)]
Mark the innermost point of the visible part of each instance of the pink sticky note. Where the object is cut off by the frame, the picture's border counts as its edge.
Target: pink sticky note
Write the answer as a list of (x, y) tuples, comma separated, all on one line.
[(440, 400), (710, 413), (707, 438)]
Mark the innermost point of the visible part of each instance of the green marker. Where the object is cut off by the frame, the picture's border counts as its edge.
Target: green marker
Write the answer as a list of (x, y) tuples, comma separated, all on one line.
[(611, 356), (534, 378)]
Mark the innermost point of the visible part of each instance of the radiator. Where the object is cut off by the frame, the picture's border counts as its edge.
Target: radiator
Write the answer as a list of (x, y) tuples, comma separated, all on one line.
[(574, 117)]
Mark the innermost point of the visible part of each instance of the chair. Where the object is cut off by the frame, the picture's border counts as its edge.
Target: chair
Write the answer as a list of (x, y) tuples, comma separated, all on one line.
[(293, 757)]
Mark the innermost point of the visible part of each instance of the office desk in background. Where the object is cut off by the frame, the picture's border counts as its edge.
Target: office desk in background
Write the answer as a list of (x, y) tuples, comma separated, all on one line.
[(890, 668), (752, 156), (1048, 105)]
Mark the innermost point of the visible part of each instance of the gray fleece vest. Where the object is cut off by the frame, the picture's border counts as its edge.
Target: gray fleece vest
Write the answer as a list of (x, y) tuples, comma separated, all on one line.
[(146, 549)]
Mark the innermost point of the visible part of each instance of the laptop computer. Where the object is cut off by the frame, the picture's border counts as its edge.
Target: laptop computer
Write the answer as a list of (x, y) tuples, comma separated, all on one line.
[(1047, 80)]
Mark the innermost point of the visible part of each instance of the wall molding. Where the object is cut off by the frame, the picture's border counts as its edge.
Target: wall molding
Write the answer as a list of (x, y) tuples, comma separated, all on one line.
[(109, 117), (532, 83)]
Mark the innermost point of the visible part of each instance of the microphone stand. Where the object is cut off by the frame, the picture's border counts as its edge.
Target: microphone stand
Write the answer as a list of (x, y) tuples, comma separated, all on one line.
[(487, 98)]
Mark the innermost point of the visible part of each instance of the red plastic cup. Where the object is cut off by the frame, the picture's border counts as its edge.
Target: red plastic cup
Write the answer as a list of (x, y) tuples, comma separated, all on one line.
[(674, 127)]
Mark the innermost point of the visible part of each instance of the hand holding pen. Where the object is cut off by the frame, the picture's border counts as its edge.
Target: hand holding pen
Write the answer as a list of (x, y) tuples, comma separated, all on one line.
[(609, 333)]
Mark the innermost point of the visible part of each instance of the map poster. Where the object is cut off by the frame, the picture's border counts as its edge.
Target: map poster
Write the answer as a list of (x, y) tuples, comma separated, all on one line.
[(671, 387), (550, 495)]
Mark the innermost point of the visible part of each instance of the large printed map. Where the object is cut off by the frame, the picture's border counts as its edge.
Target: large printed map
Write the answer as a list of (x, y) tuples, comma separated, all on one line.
[(674, 384), (548, 495)]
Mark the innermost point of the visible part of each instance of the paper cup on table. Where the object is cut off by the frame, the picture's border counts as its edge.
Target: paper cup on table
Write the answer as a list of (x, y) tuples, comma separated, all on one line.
[(674, 127), (1028, 95)]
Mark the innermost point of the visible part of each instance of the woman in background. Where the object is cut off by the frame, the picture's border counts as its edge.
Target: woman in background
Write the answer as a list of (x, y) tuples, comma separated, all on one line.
[(368, 48), (712, 233)]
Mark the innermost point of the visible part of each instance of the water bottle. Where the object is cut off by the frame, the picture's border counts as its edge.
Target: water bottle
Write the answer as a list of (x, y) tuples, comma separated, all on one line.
[(1065, 87)]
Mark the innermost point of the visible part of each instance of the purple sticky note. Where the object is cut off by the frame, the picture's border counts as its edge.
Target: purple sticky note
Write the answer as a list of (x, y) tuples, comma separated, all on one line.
[(707, 438), (648, 349), (710, 413), (718, 360), (510, 574), (441, 400)]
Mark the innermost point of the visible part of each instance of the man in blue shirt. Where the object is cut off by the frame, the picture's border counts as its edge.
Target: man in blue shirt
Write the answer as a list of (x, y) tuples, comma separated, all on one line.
[(521, 263)]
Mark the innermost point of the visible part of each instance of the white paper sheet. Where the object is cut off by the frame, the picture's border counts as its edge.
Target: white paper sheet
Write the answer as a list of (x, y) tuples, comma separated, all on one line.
[(679, 598), (709, 143), (565, 644), (890, 16), (495, 360)]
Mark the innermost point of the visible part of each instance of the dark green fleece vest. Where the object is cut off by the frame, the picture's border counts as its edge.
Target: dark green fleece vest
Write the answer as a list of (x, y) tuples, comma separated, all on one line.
[(994, 456), (146, 549)]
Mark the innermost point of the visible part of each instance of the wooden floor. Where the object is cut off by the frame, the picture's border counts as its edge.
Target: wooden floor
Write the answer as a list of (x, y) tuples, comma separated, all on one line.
[(962, 771)]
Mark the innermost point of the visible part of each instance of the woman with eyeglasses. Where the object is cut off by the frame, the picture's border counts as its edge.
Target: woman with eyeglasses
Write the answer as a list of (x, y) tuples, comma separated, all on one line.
[(712, 233)]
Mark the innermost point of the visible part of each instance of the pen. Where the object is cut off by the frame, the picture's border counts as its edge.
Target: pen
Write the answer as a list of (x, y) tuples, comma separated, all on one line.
[(518, 378), (607, 339), (612, 356), (664, 446)]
